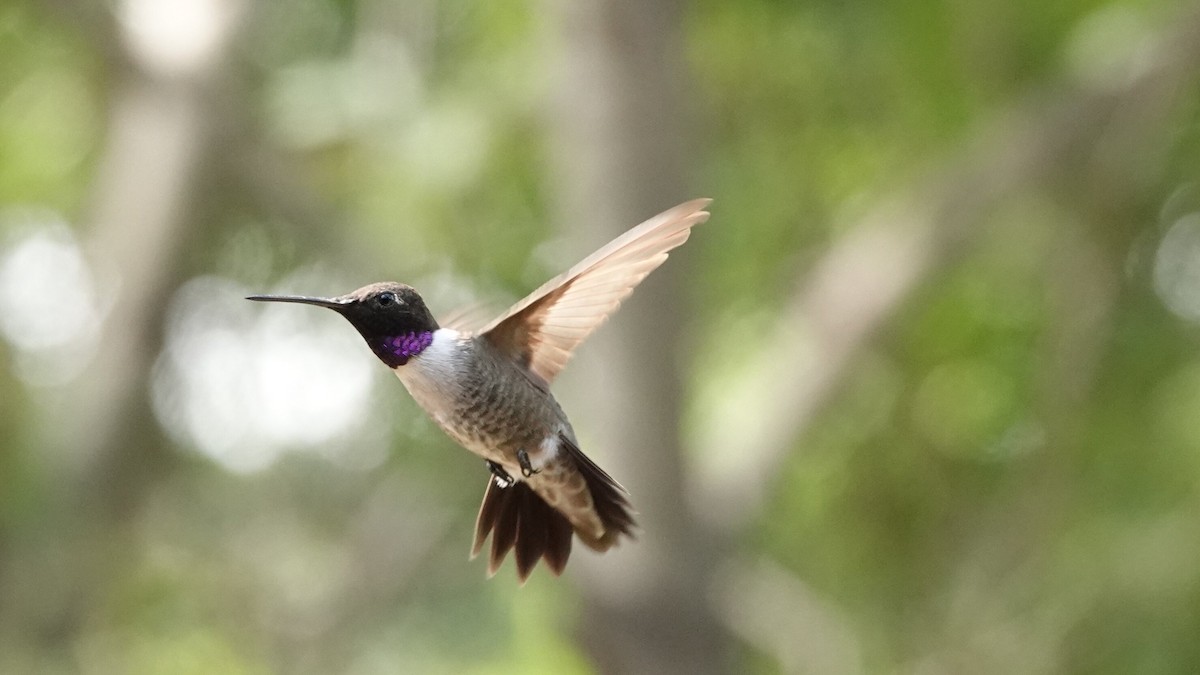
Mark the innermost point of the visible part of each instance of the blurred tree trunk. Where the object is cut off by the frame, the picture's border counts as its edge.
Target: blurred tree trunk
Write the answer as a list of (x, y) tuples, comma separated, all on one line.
[(108, 451), (620, 115)]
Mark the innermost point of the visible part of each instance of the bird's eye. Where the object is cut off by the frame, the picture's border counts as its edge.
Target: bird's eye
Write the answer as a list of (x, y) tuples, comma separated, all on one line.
[(386, 299)]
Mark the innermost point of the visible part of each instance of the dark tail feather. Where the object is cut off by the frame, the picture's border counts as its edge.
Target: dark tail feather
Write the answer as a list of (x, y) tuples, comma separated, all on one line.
[(608, 498), (517, 518)]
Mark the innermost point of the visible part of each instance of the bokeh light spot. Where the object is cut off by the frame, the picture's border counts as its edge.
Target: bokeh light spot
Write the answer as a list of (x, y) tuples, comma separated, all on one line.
[(48, 298), (246, 384), (175, 37), (1177, 268)]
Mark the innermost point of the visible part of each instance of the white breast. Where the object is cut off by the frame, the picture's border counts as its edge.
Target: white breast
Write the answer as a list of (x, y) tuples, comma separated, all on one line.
[(433, 377)]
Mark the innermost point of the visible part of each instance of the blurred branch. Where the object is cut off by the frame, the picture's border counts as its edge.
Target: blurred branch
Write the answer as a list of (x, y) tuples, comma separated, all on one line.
[(136, 239), (776, 612), (158, 142), (866, 277)]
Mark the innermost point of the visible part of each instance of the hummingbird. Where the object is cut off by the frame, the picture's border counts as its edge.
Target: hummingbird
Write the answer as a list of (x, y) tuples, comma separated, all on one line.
[(489, 390)]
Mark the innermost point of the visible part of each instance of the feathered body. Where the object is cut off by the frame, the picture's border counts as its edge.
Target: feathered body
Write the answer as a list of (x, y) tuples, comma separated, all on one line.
[(489, 390), (492, 406)]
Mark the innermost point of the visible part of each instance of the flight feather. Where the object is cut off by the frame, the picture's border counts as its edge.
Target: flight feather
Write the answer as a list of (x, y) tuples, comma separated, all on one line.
[(543, 330)]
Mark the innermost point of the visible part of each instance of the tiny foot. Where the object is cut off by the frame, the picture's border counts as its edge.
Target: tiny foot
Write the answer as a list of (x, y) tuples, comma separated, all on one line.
[(527, 469)]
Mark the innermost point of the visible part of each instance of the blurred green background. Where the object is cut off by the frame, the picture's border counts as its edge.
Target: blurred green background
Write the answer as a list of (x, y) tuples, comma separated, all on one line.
[(922, 397)]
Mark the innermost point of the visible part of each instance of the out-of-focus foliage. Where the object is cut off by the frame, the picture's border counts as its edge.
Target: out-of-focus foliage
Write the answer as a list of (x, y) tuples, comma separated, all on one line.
[(1006, 480)]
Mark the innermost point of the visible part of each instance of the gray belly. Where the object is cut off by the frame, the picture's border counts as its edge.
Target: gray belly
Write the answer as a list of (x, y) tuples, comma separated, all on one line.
[(496, 424), (487, 406)]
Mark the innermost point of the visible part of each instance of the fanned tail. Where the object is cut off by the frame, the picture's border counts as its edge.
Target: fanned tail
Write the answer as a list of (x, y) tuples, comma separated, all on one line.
[(517, 518), (590, 503)]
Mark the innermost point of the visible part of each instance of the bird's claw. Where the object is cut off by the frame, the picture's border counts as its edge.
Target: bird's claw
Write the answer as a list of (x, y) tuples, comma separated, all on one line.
[(527, 469)]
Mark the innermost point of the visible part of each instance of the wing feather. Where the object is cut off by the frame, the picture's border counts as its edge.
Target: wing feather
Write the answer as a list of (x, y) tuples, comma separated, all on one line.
[(544, 329), (467, 319)]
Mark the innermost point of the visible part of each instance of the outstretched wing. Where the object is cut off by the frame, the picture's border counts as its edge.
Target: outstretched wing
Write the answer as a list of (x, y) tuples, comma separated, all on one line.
[(543, 330), (467, 319)]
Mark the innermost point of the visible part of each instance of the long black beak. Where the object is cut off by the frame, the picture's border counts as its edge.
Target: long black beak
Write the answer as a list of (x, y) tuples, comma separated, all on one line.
[(337, 304)]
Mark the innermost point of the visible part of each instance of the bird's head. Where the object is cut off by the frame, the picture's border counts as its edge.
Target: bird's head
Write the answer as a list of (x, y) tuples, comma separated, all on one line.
[(390, 316)]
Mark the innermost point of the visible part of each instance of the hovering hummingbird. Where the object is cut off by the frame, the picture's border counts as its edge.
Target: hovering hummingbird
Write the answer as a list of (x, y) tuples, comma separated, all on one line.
[(490, 391)]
